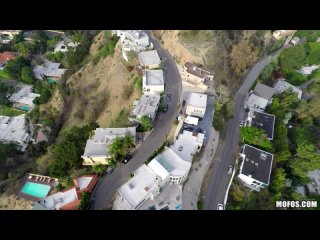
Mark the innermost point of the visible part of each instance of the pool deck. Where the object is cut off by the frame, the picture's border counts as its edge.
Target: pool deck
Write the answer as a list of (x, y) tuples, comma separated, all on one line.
[(30, 197)]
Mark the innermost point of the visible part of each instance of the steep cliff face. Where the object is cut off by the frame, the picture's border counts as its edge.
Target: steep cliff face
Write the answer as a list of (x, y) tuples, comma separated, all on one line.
[(213, 49)]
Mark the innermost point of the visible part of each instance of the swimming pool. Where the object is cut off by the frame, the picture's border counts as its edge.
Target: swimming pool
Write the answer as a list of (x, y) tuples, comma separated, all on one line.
[(36, 189), (24, 108)]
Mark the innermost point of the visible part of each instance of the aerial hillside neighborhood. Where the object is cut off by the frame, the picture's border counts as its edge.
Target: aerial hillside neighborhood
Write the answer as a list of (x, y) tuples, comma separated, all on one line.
[(159, 119)]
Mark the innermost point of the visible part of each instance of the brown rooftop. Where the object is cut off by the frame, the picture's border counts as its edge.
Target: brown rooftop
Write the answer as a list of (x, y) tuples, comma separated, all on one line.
[(197, 70)]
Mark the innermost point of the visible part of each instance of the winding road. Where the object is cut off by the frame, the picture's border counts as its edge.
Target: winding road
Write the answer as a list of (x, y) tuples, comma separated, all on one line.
[(228, 149), (109, 184)]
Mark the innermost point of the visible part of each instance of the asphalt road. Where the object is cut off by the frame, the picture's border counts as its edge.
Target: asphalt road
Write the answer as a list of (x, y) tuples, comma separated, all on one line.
[(109, 184), (227, 150)]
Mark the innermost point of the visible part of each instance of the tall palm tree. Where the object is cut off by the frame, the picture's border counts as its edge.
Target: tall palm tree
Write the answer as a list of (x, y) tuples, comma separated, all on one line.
[(128, 141)]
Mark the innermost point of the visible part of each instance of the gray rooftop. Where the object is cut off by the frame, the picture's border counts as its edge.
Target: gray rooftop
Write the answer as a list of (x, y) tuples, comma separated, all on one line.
[(264, 121), (154, 77), (264, 91), (148, 58), (197, 100), (283, 85), (147, 105), (257, 164)]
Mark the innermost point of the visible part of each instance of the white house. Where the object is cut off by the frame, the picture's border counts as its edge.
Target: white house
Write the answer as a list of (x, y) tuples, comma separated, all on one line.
[(191, 120), (255, 168), (149, 59), (195, 74), (260, 97), (7, 35), (278, 34), (153, 82), (146, 106), (96, 151), (133, 40), (196, 104), (283, 85), (23, 99), (307, 70), (14, 130), (50, 71), (144, 185)]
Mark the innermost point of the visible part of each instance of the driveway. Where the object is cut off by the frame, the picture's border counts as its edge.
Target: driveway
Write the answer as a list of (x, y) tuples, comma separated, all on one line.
[(228, 149), (108, 185)]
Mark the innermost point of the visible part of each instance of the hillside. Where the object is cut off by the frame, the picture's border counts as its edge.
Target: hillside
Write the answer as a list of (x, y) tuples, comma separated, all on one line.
[(212, 48), (102, 91)]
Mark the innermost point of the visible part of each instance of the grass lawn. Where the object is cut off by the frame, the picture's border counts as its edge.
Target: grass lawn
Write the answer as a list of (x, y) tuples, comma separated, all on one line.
[(10, 112), (4, 75)]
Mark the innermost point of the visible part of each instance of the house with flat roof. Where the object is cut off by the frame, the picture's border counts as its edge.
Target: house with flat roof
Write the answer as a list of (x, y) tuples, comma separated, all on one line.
[(146, 106), (314, 184), (15, 130), (50, 71), (262, 121), (6, 57), (133, 40), (96, 151), (149, 59), (255, 168), (68, 199), (153, 82), (142, 186), (23, 98), (282, 86), (191, 120), (278, 34), (196, 104), (196, 74), (7, 35), (307, 70), (260, 97)]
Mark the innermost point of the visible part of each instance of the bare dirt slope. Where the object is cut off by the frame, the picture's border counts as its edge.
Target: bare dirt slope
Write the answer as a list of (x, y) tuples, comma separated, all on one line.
[(99, 92), (11, 202), (211, 49)]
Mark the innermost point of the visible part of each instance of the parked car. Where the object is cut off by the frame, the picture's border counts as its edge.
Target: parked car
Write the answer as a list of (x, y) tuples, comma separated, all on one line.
[(205, 135), (241, 123), (183, 103), (191, 129), (165, 109), (220, 206), (109, 171), (126, 159), (199, 130), (230, 169)]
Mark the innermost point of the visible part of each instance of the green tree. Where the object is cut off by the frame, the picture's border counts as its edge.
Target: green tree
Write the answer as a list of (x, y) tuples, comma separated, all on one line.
[(146, 123), (85, 201), (278, 183), (292, 58), (39, 38), (256, 137), (128, 141), (100, 169), (14, 67), (116, 148), (27, 75)]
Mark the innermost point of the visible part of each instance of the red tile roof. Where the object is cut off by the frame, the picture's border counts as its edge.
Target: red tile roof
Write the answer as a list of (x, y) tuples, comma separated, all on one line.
[(6, 56)]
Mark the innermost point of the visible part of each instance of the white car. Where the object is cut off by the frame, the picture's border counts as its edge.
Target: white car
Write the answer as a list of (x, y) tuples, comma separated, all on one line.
[(220, 206), (230, 169)]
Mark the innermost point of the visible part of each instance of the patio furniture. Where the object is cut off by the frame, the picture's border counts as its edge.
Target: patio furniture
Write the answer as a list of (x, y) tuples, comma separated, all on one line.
[(30, 177)]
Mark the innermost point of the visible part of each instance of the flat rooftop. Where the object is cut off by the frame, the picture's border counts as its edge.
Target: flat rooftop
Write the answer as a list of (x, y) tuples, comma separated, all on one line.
[(255, 101), (197, 71), (257, 164), (264, 91), (154, 77), (148, 58), (283, 85), (147, 105), (137, 188), (171, 162), (137, 34), (13, 129), (187, 144), (50, 70), (97, 145), (197, 100), (59, 199), (264, 121)]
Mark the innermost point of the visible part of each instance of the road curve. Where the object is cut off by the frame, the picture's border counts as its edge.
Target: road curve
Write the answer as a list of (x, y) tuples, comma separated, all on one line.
[(109, 184), (227, 150)]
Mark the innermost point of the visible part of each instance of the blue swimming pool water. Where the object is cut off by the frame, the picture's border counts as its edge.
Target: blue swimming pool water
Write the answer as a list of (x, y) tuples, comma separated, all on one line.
[(24, 108), (36, 189)]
